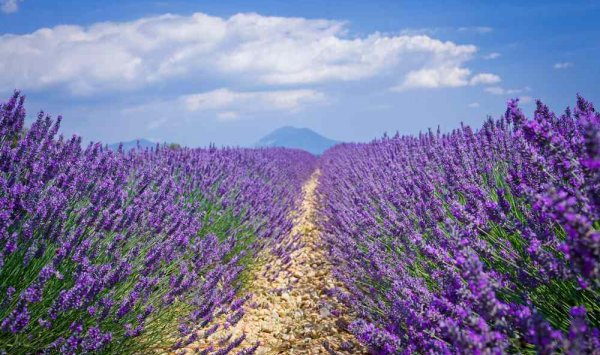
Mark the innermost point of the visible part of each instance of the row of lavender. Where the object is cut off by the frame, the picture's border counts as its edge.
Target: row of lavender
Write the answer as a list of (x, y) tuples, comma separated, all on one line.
[(128, 252), (480, 241)]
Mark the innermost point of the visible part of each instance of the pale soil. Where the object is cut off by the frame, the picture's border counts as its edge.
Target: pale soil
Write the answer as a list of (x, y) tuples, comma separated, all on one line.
[(290, 312)]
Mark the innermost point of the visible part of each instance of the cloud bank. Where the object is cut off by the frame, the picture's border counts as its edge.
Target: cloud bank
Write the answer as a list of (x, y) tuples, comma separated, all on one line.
[(244, 48)]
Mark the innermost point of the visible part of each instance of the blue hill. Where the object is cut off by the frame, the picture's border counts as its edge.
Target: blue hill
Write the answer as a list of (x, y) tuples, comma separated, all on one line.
[(299, 138)]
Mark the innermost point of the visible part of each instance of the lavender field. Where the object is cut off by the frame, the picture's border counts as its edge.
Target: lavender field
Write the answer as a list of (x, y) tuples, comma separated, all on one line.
[(477, 241), (104, 251), (481, 240), (323, 177)]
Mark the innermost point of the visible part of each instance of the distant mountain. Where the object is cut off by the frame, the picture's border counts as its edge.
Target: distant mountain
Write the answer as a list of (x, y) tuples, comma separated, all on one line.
[(127, 146), (300, 138)]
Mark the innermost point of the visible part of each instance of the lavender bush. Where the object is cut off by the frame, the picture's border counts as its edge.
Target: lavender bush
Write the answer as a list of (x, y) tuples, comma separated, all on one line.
[(129, 252), (481, 241)]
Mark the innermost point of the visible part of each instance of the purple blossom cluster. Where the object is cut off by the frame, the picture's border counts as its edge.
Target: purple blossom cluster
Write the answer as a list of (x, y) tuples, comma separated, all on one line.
[(126, 252), (474, 241)]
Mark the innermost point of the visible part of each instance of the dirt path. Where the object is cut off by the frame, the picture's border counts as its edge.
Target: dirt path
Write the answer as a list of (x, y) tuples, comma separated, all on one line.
[(291, 312)]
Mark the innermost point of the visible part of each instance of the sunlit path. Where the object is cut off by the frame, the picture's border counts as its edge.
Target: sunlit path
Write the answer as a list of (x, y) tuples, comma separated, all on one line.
[(290, 311)]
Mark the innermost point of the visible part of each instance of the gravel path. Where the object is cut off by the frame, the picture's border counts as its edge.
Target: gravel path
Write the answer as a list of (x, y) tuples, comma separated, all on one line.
[(290, 312)]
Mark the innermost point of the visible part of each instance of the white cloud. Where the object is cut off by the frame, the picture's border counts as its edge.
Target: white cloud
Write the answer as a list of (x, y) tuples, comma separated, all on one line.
[(497, 90), (492, 55), (435, 78), (444, 77), (9, 6), (216, 105), (229, 102), (473, 105), (563, 65), (485, 78), (244, 47)]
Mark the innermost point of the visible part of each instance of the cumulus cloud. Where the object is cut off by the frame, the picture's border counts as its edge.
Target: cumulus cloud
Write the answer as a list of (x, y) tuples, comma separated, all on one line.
[(284, 100), (485, 78), (473, 105), (9, 6), (244, 47), (563, 65), (445, 77), (435, 78)]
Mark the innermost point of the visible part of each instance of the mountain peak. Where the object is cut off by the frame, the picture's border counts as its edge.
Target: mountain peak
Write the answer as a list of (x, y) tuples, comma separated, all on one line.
[(299, 138)]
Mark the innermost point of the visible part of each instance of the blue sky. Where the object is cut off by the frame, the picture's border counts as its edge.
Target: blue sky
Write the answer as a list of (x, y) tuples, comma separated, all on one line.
[(229, 72)]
